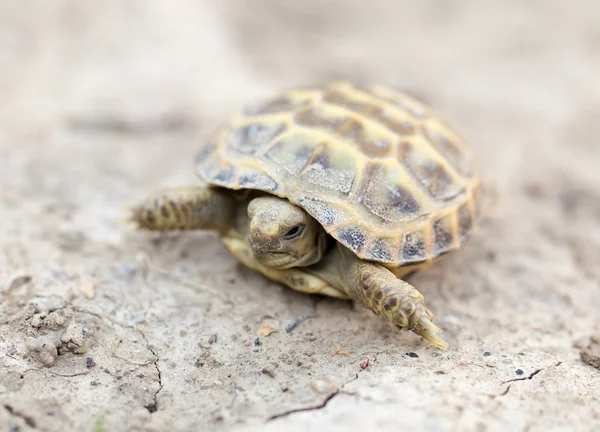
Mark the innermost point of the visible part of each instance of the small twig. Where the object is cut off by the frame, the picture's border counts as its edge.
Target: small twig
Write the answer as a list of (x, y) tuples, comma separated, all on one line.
[(291, 326), (534, 373)]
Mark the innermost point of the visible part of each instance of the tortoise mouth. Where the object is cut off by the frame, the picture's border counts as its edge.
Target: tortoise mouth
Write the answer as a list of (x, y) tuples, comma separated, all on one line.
[(285, 260), (276, 259)]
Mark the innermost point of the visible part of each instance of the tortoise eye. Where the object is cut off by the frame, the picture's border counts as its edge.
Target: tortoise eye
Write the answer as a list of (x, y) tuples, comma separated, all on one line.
[(294, 232)]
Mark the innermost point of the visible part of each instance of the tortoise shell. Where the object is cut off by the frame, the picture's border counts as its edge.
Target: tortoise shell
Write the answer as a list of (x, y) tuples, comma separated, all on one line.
[(381, 171)]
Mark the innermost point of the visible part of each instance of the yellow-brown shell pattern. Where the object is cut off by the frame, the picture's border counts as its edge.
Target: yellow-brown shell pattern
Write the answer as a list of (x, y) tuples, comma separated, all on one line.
[(381, 171)]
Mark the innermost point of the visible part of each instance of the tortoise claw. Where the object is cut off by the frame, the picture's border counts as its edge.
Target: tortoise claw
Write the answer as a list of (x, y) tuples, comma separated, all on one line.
[(128, 218), (429, 331), (433, 338), (427, 324)]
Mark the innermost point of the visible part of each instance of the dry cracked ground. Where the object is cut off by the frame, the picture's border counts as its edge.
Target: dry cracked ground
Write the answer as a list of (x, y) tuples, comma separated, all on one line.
[(105, 329)]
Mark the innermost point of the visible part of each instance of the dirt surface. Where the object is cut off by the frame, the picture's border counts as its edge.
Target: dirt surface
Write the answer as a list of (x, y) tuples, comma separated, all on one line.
[(104, 329)]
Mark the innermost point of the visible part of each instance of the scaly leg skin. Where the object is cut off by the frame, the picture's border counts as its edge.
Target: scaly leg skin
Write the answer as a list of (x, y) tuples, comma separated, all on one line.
[(380, 291), (185, 208)]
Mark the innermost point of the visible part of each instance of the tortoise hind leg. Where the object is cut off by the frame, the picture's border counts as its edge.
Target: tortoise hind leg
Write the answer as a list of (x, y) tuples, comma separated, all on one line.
[(185, 208)]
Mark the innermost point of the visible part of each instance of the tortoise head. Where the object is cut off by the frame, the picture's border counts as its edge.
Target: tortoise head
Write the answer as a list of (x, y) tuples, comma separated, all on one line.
[(283, 235)]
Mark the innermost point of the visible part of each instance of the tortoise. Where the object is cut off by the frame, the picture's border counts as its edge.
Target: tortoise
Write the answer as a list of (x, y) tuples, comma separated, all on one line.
[(339, 190)]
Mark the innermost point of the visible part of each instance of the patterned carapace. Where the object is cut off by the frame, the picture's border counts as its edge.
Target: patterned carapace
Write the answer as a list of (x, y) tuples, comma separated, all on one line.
[(381, 171)]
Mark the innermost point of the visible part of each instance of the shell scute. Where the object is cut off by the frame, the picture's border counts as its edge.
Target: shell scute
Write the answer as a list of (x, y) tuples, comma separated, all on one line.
[(414, 247), (382, 195), (247, 140), (383, 250), (444, 234), (447, 144), (343, 127), (330, 215), (253, 178), (465, 220), (431, 172), (355, 237), (329, 172), (291, 153)]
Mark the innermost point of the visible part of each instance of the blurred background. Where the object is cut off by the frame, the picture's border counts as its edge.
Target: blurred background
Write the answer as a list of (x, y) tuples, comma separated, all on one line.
[(511, 63), (506, 73)]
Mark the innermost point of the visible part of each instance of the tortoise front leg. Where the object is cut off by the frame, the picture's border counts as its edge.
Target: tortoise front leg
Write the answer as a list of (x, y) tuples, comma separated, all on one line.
[(380, 291), (185, 208)]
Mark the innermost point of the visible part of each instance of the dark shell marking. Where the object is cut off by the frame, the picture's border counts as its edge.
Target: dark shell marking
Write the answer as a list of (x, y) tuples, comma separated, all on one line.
[(414, 247)]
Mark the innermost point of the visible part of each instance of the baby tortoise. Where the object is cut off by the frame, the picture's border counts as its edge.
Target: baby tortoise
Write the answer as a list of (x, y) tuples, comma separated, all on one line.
[(339, 190)]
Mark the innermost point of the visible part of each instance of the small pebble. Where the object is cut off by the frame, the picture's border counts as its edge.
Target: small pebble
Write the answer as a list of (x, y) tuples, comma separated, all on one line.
[(364, 363), (269, 371), (325, 385), (487, 354), (94, 383), (257, 342), (89, 362), (412, 355), (87, 286), (519, 372)]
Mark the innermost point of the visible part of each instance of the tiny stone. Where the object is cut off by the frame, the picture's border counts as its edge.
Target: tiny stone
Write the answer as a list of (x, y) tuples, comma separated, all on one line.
[(94, 383), (257, 342), (324, 385), (519, 372), (87, 286), (487, 354), (32, 344), (140, 375), (269, 371), (365, 363), (212, 339), (37, 320), (89, 362), (412, 354)]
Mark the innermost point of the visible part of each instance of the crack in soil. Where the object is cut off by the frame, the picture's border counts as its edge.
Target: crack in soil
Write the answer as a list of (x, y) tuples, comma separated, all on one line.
[(316, 407), (153, 407), (527, 378)]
